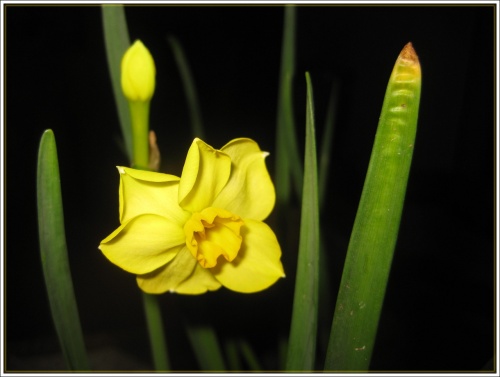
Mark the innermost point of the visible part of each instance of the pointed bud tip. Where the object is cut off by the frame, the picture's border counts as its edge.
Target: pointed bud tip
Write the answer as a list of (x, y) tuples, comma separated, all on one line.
[(408, 53)]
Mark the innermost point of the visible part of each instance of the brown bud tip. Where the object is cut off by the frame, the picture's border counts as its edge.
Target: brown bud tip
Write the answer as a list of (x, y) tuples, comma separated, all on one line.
[(408, 53)]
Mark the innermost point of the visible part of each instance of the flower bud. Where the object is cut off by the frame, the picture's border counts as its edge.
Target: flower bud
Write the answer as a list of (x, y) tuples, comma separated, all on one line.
[(138, 73)]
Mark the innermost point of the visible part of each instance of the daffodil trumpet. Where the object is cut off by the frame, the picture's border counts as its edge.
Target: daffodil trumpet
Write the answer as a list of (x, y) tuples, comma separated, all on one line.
[(203, 230)]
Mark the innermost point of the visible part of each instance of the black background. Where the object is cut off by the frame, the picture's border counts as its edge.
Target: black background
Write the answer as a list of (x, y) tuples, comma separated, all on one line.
[(439, 309)]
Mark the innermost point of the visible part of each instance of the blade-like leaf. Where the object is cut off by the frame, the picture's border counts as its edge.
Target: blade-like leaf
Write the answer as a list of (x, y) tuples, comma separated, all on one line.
[(302, 342), (288, 165), (189, 87), (326, 145), (232, 356), (54, 256), (117, 41), (375, 231), (249, 356), (206, 347)]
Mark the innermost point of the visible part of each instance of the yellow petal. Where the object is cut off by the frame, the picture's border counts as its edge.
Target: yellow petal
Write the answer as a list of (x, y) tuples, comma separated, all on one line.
[(257, 265), (143, 244), (199, 282), (205, 173), (181, 275), (250, 191), (149, 192)]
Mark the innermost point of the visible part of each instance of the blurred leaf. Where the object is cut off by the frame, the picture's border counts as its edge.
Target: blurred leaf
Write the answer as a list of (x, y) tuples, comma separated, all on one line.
[(233, 359), (302, 342), (206, 347), (376, 226), (189, 87), (288, 165), (249, 356), (327, 142), (117, 41), (54, 256)]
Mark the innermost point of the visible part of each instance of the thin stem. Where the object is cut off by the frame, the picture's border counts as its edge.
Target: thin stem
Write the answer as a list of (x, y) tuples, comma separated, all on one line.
[(156, 332), (139, 112)]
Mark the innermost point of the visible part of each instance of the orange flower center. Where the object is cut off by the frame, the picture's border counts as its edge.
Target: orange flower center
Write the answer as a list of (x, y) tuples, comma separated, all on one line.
[(211, 233)]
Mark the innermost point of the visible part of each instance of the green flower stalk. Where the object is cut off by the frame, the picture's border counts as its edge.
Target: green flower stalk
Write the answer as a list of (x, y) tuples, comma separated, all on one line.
[(138, 73), (138, 85)]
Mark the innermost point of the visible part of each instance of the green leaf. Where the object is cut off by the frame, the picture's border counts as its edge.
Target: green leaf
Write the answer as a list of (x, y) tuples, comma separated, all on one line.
[(54, 256), (376, 226), (325, 297), (302, 342), (233, 359), (189, 87), (249, 356), (288, 165), (117, 41), (326, 145), (206, 347)]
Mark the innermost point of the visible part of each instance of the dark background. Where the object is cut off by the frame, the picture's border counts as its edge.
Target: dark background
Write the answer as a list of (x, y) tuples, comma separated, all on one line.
[(439, 310)]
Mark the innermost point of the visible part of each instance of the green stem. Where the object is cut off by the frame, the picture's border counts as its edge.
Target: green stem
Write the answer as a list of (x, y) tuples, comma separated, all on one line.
[(156, 332), (139, 113), (137, 145)]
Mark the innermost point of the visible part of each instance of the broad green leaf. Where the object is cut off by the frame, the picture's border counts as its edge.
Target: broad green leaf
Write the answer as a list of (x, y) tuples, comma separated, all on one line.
[(117, 41), (302, 342), (288, 165), (373, 238), (206, 347), (189, 87), (54, 256)]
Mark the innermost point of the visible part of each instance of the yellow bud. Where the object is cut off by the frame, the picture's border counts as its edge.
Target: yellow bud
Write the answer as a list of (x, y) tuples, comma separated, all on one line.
[(138, 73)]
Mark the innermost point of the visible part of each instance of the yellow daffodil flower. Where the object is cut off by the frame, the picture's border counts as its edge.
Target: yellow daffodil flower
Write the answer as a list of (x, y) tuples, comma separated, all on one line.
[(205, 229)]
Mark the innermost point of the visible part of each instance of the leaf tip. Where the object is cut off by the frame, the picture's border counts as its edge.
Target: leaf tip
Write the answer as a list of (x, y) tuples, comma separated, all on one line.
[(408, 55)]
